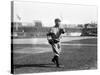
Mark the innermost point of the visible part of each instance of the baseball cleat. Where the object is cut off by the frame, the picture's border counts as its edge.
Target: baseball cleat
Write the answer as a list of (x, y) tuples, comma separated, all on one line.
[(60, 66)]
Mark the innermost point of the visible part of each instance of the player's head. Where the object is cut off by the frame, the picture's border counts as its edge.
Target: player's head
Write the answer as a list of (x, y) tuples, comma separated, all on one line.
[(57, 21)]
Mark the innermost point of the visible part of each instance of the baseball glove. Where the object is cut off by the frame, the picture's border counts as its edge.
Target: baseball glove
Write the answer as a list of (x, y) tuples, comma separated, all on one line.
[(52, 38)]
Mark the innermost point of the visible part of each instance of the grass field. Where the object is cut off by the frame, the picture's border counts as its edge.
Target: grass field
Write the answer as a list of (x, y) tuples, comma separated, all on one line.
[(35, 58)]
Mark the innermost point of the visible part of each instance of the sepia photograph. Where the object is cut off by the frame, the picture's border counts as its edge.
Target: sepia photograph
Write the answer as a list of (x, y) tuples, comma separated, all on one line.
[(53, 37)]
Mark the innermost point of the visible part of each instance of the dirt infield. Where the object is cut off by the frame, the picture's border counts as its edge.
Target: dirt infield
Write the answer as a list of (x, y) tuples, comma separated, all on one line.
[(36, 58)]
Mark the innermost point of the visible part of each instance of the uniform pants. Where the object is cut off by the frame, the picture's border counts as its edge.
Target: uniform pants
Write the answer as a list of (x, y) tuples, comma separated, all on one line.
[(56, 48)]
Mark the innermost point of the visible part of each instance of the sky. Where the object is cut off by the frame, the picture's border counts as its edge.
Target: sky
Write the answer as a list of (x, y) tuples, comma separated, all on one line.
[(47, 12)]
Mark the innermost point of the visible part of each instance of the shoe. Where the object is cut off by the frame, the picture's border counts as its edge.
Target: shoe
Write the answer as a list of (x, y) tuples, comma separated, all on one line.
[(60, 66)]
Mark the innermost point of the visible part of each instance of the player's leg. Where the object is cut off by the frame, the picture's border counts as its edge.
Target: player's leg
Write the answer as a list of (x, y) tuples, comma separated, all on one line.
[(53, 59), (56, 54)]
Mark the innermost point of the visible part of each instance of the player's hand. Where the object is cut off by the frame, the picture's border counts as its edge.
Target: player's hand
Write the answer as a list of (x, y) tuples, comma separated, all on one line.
[(51, 41)]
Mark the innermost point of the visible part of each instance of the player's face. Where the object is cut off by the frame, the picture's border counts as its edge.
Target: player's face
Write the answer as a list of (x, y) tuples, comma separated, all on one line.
[(58, 23)]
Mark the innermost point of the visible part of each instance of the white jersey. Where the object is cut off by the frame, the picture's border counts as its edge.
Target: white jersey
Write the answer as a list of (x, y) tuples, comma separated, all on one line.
[(57, 31)]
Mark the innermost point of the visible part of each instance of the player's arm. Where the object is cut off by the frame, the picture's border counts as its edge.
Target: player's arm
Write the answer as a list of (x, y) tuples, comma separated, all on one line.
[(62, 30), (49, 38), (49, 35)]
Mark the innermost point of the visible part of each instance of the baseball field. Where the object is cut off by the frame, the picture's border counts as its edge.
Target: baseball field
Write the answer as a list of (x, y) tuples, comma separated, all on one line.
[(34, 55)]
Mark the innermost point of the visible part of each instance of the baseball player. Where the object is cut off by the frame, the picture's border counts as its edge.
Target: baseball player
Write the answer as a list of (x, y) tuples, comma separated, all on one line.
[(53, 37)]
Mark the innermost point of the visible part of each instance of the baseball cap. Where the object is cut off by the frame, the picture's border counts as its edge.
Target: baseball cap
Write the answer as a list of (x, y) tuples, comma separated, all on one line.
[(57, 20)]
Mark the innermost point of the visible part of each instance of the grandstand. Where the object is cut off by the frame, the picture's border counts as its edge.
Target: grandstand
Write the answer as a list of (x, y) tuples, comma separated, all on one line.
[(40, 31)]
